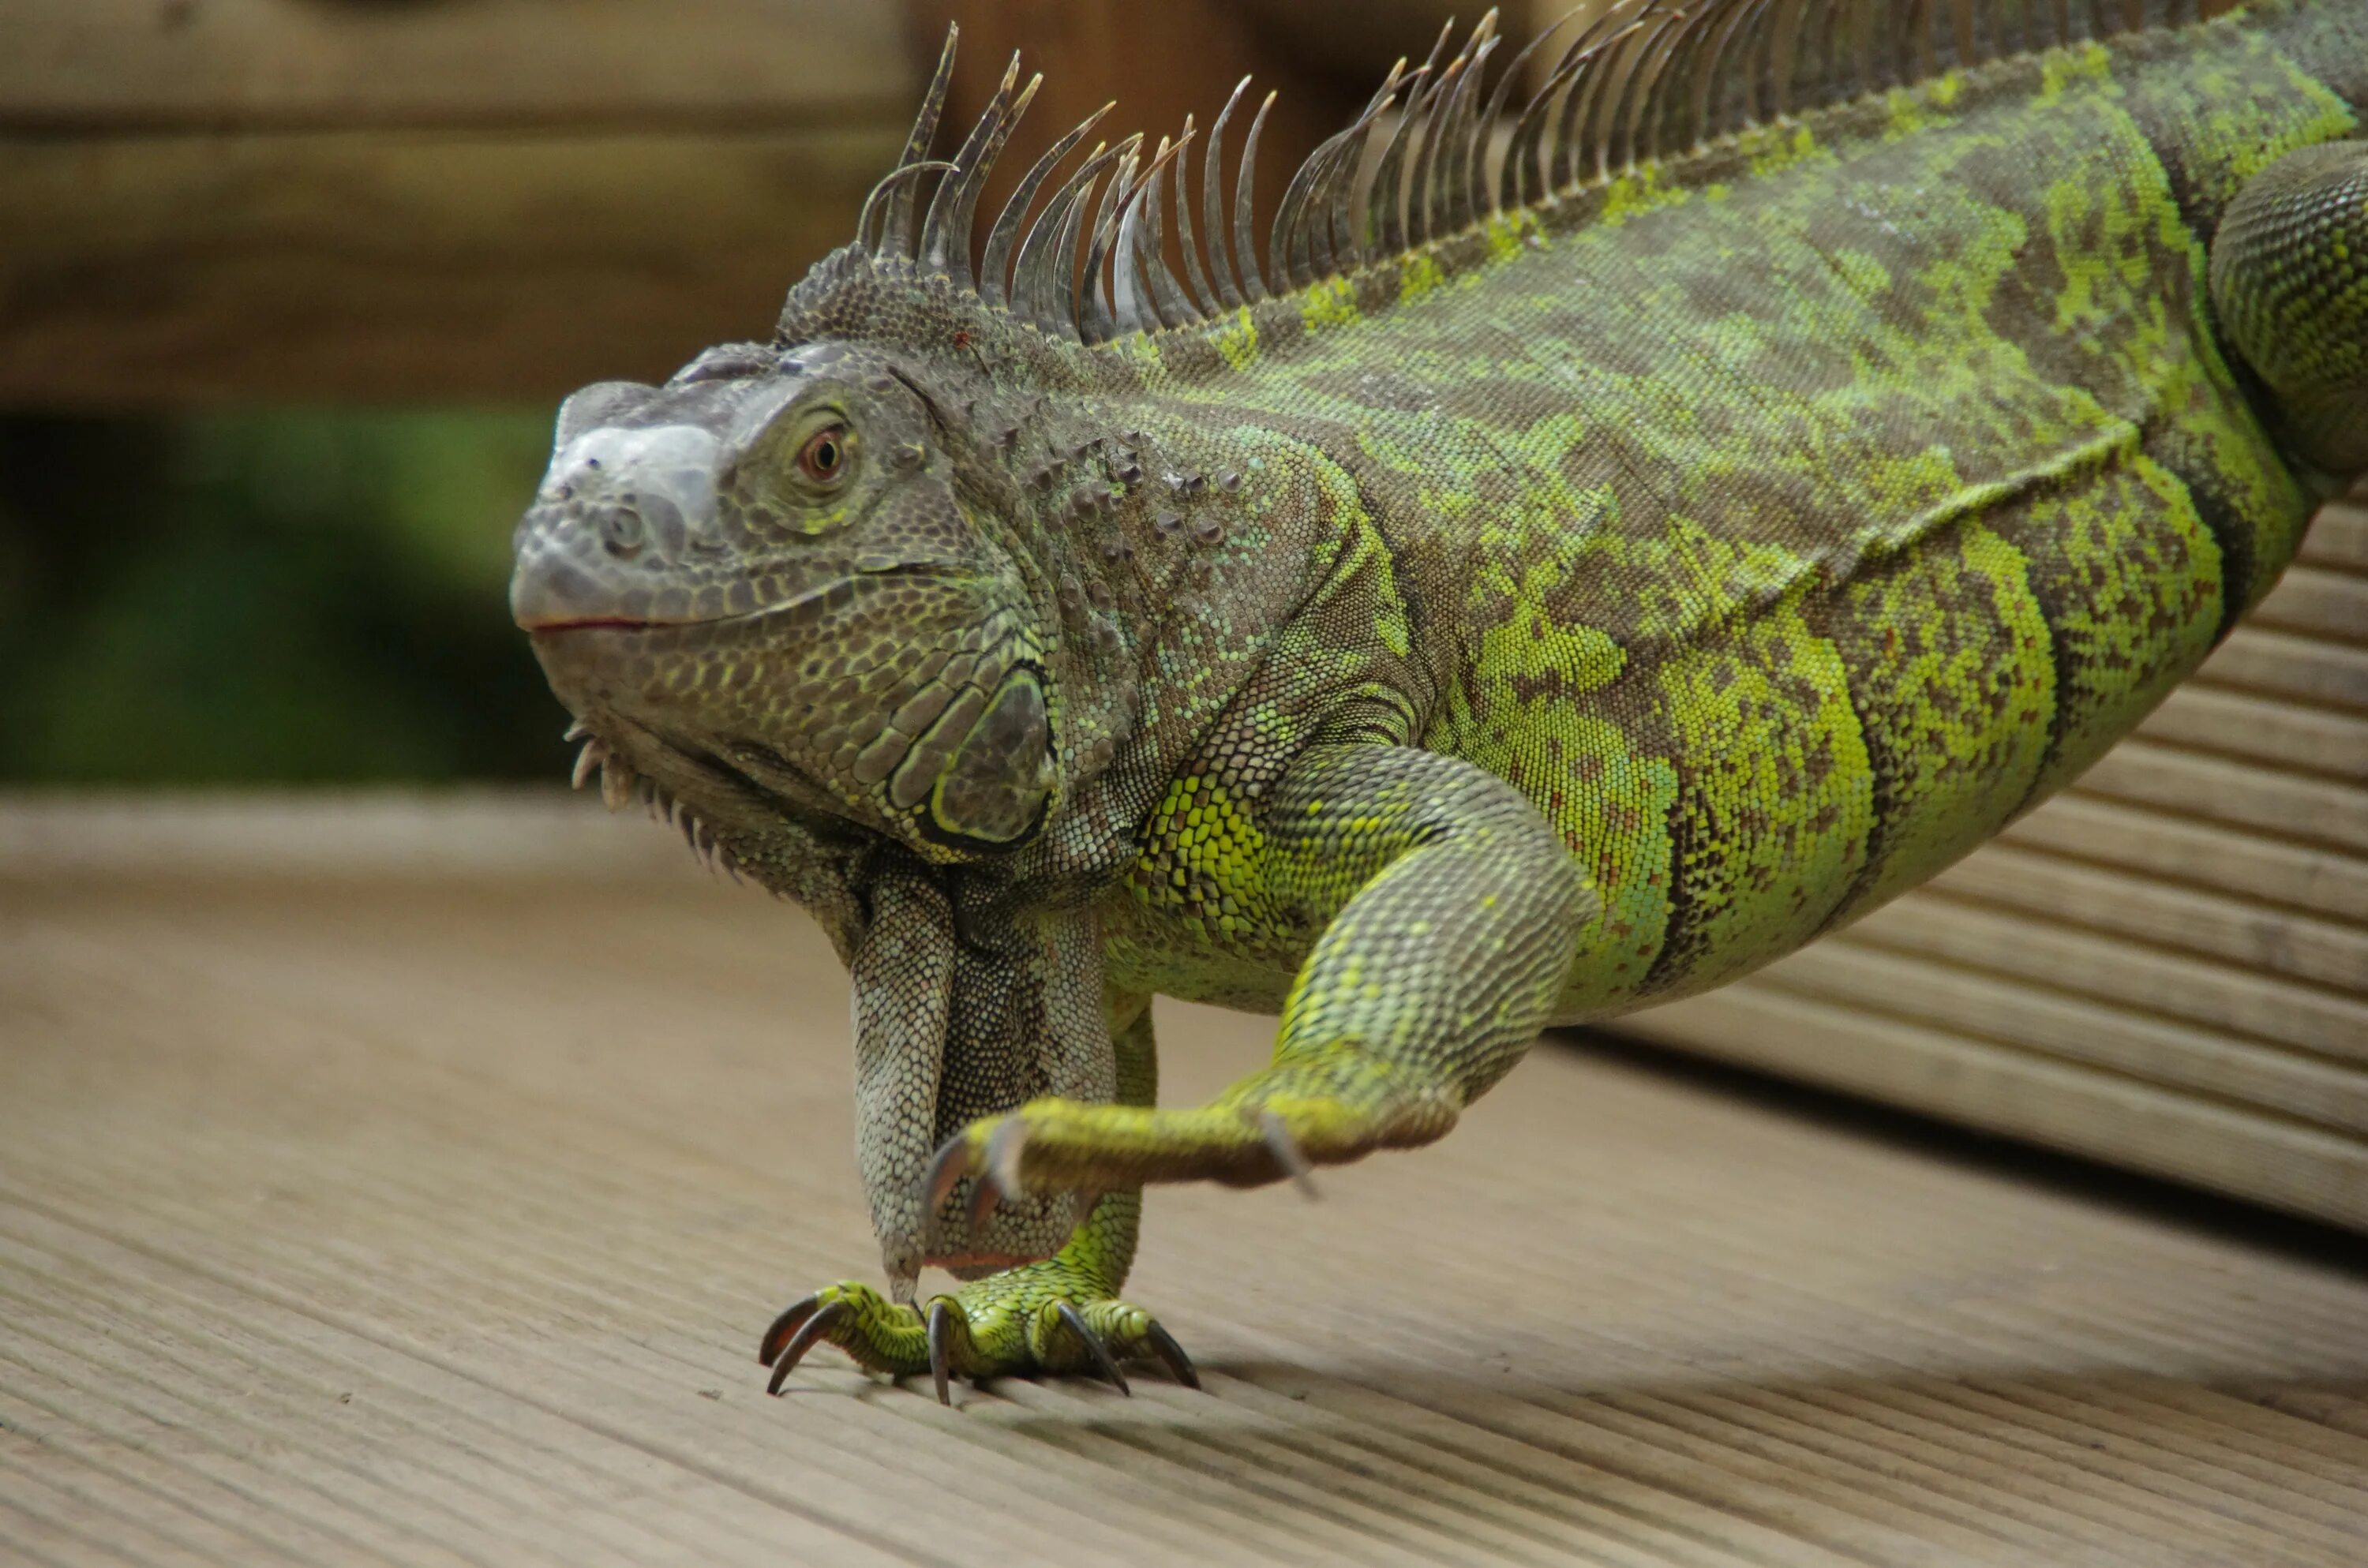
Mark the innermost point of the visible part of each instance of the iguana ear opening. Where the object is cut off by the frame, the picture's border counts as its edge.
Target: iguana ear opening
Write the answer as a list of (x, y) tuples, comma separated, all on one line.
[(994, 789)]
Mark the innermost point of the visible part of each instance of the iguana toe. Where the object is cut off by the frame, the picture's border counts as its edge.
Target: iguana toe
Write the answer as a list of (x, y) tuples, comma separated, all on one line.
[(793, 1333), (1021, 1322), (880, 1335), (1076, 1324)]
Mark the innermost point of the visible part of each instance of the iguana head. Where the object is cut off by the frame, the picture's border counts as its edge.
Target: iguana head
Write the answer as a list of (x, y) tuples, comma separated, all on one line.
[(774, 574)]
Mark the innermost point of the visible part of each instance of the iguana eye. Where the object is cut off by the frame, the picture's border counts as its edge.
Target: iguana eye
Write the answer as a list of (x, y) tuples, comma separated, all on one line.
[(823, 458)]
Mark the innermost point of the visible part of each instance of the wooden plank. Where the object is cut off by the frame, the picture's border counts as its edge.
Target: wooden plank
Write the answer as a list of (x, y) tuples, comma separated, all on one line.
[(146, 271), (2339, 537), (430, 1222), (2316, 601), (450, 837), (2198, 854), (151, 65), (1355, 40), (2299, 669), (2176, 985), (2114, 902), (499, 199), (2321, 812), (284, 200), (2013, 1014), (2252, 727), (2126, 1120)]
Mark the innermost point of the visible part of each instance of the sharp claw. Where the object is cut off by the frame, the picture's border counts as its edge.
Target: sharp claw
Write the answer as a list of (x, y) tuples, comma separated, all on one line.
[(813, 1328), (1285, 1149), (983, 1199), (1003, 1148), (590, 757), (1002, 1173), (1179, 1366), (1094, 1346), (947, 1167), (768, 1348), (617, 783), (577, 731), (942, 1322)]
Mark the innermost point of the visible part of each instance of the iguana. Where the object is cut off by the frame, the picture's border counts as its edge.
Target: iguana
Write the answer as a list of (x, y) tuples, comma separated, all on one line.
[(1564, 572)]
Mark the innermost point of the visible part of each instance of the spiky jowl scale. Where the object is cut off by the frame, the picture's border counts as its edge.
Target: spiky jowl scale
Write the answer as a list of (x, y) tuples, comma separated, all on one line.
[(1541, 583)]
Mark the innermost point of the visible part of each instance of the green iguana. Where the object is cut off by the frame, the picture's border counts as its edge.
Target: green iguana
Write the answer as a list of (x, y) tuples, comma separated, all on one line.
[(1558, 575)]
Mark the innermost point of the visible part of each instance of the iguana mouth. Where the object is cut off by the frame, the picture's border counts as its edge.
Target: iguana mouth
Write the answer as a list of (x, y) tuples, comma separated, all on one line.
[(806, 604), (598, 623), (562, 621)]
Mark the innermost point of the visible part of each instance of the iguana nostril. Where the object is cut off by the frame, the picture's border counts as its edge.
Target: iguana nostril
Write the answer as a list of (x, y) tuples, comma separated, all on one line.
[(634, 493)]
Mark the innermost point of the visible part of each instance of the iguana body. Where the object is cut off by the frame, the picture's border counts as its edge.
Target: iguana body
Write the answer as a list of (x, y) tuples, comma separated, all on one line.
[(1539, 611)]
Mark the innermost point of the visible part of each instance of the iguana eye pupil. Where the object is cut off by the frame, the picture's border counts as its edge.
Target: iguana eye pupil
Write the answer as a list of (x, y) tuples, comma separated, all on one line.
[(824, 456)]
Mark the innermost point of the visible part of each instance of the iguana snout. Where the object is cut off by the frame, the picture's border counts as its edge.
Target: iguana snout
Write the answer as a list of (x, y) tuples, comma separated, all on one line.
[(617, 517)]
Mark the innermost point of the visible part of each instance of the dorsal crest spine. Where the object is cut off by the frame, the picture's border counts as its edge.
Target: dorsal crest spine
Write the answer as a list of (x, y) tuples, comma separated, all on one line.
[(1635, 82)]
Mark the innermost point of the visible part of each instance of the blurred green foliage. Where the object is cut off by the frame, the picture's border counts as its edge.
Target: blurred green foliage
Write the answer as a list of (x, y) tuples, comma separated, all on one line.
[(279, 597)]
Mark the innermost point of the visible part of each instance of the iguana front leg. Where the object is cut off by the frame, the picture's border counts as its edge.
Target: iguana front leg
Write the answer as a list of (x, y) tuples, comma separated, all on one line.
[(1450, 914), (1058, 1315)]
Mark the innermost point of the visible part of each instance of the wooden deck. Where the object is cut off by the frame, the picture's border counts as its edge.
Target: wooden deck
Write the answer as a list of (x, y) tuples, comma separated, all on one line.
[(408, 1184)]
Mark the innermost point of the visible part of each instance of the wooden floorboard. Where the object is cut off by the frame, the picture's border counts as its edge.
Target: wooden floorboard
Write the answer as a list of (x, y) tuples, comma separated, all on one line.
[(417, 1197)]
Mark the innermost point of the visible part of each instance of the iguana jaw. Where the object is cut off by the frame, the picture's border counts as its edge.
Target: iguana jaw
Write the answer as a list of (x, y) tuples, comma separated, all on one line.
[(765, 701)]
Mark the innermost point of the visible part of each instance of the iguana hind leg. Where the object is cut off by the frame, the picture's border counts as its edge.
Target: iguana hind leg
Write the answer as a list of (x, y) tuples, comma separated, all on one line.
[(2290, 281)]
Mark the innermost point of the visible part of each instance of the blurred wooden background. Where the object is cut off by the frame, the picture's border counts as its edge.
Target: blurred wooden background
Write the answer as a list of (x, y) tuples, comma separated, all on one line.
[(215, 200), (211, 200)]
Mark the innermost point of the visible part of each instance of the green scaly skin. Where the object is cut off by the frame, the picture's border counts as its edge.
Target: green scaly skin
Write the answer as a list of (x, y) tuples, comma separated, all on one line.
[(1567, 615)]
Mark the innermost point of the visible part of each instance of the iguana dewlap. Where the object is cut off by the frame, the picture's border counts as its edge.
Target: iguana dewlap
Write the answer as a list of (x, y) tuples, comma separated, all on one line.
[(1537, 585)]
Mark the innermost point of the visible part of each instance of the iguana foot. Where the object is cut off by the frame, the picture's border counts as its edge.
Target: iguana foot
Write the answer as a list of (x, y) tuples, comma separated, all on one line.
[(1035, 1319), (1321, 1109)]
